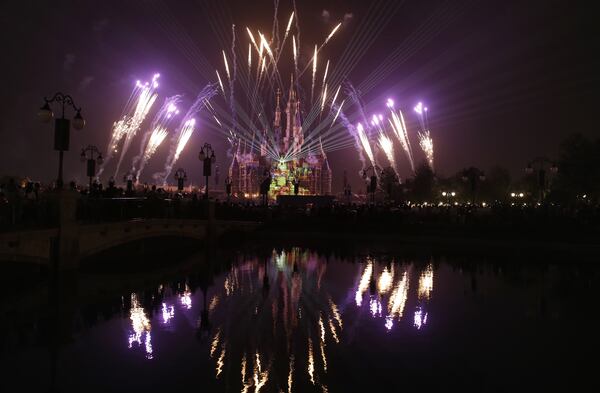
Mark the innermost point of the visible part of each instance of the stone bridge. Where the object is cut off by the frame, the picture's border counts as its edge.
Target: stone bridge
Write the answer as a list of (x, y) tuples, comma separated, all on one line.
[(71, 241)]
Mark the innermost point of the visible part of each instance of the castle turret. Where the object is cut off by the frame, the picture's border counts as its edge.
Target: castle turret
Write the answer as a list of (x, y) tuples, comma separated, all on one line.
[(290, 112)]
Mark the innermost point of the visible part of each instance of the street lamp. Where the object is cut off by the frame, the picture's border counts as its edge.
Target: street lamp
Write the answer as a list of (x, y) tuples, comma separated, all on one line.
[(181, 178), (207, 156), (539, 166), (91, 154), (61, 126)]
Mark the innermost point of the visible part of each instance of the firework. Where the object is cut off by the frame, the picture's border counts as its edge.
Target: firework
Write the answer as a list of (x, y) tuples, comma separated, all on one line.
[(399, 128), (314, 74), (365, 143), (145, 102), (388, 148), (137, 107), (333, 32), (220, 82), (426, 144), (156, 134), (184, 136), (186, 129)]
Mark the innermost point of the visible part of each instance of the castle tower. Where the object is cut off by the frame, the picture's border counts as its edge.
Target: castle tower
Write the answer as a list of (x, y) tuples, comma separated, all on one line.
[(277, 134), (290, 113)]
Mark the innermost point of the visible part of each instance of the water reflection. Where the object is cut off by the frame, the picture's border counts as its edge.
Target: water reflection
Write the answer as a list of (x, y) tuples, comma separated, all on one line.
[(140, 326), (388, 297), (283, 301), (284, 321), (267, 307)]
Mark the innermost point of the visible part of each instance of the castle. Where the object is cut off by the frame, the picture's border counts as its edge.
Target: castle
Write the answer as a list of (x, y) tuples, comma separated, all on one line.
[(310, 171)]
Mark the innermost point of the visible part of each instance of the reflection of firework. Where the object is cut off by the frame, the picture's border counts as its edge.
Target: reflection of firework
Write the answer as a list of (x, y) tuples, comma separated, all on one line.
[(274, 295), (140, 325), (393, 293)]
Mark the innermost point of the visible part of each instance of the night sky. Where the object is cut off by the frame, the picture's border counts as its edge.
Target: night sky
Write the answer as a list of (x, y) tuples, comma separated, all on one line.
[(505, 81)]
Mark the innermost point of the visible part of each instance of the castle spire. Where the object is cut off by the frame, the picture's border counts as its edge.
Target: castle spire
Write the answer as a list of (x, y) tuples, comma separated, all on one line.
[(277, 120)]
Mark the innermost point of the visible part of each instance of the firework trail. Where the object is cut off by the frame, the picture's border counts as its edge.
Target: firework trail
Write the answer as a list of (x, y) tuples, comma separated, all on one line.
[(426, 144), (186, 129), (337, 113), (121, 126), (399, 127), (388, 148), (420, 109), (364, 140), (314, 74), (145, 102), (353, 132), (156, 134), (232, 82)]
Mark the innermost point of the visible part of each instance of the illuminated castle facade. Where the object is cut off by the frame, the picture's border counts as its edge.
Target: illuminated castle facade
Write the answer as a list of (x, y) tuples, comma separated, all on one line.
[(311, 172)]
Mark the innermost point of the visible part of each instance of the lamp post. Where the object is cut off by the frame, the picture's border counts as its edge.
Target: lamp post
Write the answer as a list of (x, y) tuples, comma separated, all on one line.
[(61, 126), (207, 156), (372, 185), (539, 166), (91, 155), (181, 178), (473, 176)]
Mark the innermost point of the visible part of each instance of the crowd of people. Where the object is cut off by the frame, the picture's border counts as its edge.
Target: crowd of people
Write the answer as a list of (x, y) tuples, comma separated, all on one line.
[(29, 204)]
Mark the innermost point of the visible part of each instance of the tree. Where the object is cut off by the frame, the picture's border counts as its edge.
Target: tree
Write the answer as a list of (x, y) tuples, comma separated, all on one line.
[(390, 183), (578, 169), (497, 184), (422, 185)]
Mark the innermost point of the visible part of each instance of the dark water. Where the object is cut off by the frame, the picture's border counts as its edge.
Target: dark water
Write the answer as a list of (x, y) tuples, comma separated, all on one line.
[(296, 320)]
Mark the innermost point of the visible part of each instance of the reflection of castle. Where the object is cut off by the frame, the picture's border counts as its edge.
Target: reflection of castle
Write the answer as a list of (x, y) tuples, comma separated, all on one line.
[(312, 171)]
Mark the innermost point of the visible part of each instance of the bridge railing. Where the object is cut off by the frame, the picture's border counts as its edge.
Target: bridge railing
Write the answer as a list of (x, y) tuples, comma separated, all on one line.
[(90, 210)]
